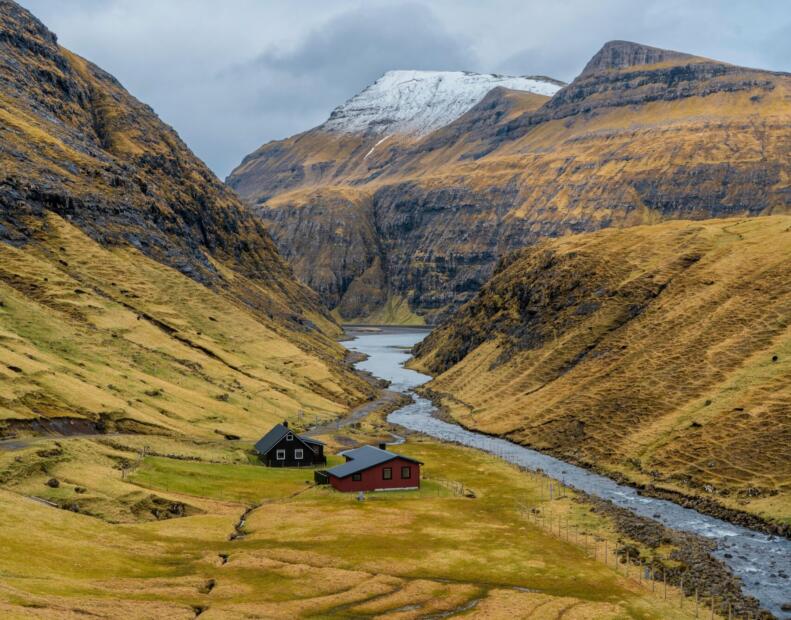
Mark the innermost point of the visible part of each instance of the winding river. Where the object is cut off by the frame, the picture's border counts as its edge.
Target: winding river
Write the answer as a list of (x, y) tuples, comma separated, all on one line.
[(760, 560)]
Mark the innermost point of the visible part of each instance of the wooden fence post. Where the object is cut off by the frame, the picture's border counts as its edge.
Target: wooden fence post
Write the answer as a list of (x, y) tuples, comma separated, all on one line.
[(681, 597)]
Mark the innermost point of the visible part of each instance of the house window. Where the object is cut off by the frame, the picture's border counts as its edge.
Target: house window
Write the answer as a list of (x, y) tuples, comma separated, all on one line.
[(357, 477), (298, 455), (387, 473), (406, 472), (280, 455), (289, 437)]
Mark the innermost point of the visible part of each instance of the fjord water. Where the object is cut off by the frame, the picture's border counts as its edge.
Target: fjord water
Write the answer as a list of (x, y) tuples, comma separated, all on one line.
[(757, 558)]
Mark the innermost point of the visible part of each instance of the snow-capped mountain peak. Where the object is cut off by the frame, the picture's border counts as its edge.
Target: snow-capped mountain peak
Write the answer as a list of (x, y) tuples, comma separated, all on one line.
[(418, 102)]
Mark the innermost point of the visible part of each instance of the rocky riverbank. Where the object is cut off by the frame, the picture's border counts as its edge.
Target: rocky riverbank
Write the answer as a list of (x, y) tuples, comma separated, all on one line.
[(690, 565)]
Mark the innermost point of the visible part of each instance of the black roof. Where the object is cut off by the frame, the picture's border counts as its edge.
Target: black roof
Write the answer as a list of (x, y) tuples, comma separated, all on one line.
[(364, 458), (273, 437)]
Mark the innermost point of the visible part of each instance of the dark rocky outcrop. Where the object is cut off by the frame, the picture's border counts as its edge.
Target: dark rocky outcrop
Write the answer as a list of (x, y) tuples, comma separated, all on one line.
[(621, 54), (349, 249)]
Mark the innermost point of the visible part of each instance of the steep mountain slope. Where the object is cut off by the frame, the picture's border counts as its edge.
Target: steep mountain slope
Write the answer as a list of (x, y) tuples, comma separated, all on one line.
[(136, 292), (661, 353), (397, 109), (642, 135)]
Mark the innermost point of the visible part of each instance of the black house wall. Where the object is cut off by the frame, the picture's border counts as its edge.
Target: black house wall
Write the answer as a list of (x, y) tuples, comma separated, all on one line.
[(310, 458)]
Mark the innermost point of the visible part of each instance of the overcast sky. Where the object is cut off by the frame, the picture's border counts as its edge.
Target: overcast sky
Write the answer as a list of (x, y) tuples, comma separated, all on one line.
[(230, 75)]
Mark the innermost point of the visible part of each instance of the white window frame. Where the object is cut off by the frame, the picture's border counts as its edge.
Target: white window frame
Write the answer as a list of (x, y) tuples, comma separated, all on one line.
[(280, 455), (299, 454), (289, 437)]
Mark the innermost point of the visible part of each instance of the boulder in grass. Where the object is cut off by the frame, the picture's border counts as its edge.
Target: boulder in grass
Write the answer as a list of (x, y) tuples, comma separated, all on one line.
[(53, 483)]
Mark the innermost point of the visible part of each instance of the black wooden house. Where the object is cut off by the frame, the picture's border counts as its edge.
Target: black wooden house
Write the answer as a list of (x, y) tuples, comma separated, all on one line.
[(282, 447)]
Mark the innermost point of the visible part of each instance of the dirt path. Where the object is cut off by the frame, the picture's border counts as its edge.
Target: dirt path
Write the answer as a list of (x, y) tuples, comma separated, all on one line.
[(387, 400)]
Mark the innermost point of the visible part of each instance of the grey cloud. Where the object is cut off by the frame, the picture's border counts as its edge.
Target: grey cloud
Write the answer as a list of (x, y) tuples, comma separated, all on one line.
[(231, 75), (356, 47), (286, 91), (561, 66), (778, 46)]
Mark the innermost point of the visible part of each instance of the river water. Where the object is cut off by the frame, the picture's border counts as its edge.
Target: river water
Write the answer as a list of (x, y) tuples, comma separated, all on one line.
[(760, 560)]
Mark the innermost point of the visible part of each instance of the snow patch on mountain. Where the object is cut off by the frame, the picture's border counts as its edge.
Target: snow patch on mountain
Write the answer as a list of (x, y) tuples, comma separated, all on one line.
[(418, 102)]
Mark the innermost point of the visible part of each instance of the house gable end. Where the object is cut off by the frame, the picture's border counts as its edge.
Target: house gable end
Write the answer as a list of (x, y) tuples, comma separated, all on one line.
[(264, 445), (278, 433), (296, 441)]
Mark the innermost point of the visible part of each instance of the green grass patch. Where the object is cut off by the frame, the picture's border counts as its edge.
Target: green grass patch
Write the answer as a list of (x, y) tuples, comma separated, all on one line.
[(239, 483)]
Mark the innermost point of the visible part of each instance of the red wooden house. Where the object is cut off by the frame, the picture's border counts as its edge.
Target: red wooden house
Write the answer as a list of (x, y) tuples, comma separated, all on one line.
[(375, 469)]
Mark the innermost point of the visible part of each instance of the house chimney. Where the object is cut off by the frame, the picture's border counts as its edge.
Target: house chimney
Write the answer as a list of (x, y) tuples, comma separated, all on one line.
[(285, 423), (383, 446)]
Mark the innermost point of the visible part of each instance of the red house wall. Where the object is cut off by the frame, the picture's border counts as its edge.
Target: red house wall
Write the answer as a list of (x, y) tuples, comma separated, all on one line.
[(372, 478)]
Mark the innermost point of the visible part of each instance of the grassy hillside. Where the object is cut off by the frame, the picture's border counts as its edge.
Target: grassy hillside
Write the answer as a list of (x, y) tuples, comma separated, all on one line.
[(137, 294), (660, 353), (108, 339)]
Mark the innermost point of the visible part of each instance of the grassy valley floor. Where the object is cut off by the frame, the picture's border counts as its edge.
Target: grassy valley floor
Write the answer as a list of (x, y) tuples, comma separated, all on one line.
[(151, 537)]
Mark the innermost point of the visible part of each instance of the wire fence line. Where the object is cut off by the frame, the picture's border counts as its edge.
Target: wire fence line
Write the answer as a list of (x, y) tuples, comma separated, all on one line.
[(653, 576)]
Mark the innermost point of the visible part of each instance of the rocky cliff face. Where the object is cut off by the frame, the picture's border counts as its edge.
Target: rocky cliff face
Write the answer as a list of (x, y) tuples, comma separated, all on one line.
[(660, 353), (642, 135), (90, 178), (622, 54), (77, 144)]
